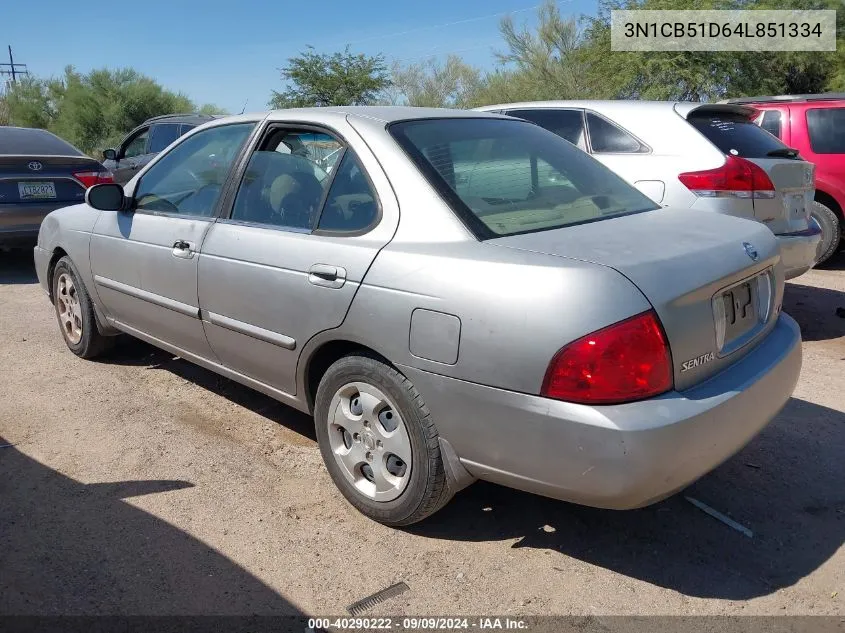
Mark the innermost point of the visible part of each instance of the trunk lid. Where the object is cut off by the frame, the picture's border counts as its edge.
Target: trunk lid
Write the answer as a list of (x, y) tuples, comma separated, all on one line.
[(695, 270), (36, 180), (732, 130)]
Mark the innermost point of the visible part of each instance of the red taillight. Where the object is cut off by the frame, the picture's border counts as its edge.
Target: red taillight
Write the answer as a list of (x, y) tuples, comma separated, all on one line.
[(626, 361), (737, 178), (91, 178)]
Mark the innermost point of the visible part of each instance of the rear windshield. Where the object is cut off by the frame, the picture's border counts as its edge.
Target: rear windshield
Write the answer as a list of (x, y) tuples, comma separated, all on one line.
[(736, 135), (505, 177), (32, 142), (827, 130)]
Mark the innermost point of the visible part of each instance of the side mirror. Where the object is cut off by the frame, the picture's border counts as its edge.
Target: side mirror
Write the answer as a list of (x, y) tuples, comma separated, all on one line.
[(106, 197), (110, 154)]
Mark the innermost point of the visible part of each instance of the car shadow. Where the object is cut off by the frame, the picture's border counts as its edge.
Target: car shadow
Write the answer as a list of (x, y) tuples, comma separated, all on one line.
[(134, 352), (17, 267), (786, 486), (819, 311), (70, 548)]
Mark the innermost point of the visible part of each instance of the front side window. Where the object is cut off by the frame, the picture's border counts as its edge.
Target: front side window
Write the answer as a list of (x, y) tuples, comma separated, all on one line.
[(608, 138), (137, 146), (188, 179), (508, 177), (568, 124), (162, 135), (827, 130)]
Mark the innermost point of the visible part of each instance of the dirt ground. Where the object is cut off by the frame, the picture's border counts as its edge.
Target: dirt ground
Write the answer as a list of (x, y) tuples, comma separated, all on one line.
[(141, 484)]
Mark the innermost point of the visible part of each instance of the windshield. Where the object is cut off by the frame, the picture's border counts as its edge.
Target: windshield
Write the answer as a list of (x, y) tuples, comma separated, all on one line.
[(505, 177)]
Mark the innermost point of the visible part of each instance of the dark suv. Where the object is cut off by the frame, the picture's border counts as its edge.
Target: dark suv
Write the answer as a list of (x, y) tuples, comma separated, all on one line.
[(815, 126), (145, 141)]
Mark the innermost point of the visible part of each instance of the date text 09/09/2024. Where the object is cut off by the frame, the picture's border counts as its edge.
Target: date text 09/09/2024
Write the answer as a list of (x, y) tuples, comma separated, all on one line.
[(723, 29), (419, 623)]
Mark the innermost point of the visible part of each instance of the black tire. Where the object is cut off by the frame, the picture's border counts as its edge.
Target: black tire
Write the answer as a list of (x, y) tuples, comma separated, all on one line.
[(427, 489), (91, 343), (830, 226)]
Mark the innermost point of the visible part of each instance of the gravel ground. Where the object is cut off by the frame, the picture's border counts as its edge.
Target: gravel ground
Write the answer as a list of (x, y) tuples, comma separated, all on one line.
[(141, 484)]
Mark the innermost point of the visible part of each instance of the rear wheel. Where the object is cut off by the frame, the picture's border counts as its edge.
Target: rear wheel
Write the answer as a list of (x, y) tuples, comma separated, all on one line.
[(828, 221), (378, 441), (75, 313)]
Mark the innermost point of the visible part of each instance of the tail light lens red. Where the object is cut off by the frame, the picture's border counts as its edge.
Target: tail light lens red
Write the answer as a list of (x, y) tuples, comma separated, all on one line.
[(91, 178), (737, 178), (626, 361)]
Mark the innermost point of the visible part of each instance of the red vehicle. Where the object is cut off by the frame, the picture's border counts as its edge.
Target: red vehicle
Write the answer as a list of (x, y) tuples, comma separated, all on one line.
[(815, 126)]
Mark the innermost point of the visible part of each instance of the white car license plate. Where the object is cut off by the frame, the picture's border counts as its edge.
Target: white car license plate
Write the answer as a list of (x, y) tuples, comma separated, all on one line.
[(36, 190)]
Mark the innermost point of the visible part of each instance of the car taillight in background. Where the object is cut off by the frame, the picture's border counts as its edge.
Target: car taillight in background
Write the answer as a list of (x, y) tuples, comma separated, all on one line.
[(737, 178), (91, 178), (624, 362)]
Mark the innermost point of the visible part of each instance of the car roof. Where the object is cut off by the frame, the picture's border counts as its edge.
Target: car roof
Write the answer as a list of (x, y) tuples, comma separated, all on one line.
[(797, 99), (384, 114), (188, 117), (611, 106), (380, 114)]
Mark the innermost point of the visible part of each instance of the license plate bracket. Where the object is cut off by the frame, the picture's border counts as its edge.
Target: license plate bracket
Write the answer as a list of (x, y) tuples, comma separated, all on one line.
[(37, 190), (797, 205), (740, 304)]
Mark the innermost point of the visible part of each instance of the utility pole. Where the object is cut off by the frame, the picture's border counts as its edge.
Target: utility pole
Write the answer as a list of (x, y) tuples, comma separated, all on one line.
[(13, 68)]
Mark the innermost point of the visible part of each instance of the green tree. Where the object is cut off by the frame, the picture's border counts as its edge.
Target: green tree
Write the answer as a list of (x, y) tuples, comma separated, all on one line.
[(544, 63), (705, 76), (32, 102), (320, 79), (453, 84), (93, 110)]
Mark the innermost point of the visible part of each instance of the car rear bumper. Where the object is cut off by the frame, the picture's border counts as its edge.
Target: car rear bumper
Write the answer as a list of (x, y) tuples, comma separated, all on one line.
[(798, 250), (19, 223), (622, 456)]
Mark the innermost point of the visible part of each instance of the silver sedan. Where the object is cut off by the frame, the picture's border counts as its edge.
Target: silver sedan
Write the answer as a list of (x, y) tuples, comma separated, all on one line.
[(452, 295)]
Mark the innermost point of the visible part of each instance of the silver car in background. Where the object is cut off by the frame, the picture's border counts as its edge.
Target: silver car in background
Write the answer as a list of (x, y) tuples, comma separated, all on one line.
[(706, 157), (461, 296)]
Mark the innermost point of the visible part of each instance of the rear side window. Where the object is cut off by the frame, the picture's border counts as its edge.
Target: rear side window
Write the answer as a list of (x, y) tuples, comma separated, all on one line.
[(736, 135), (827, 130), (162, 135), (504, 177), (771, 122), (31, 142), (606, 137), (186, 127), (568, 124)]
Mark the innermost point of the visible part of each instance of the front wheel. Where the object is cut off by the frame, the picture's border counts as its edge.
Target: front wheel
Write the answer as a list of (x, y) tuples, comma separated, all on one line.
[(75, 313), (378, 441), (828, 221)]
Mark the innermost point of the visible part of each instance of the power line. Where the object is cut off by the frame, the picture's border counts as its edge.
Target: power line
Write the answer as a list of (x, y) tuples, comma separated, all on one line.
[(14, 69)]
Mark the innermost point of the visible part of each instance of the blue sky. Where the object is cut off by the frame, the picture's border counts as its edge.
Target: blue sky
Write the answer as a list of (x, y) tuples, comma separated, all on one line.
[(229, 53)]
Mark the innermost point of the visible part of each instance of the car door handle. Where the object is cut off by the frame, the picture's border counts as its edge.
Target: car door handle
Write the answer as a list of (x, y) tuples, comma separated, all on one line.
[(327, 275), (183, 249)]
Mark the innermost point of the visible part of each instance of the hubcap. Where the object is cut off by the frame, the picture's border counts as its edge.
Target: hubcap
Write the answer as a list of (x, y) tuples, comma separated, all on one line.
[(369, 441), (69, 309)]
